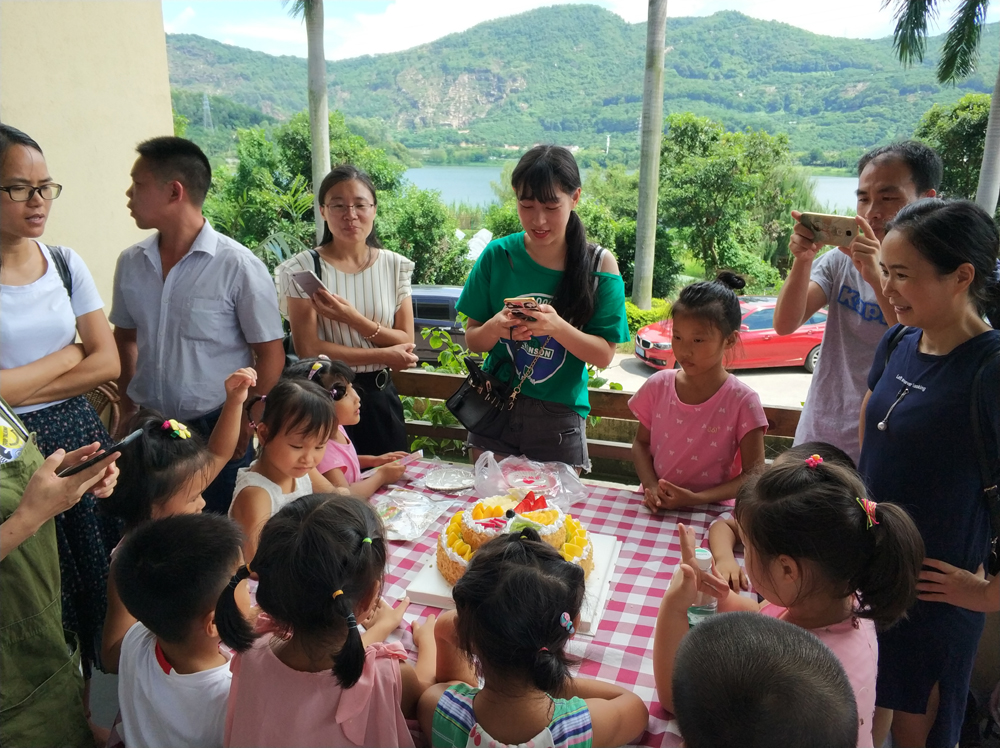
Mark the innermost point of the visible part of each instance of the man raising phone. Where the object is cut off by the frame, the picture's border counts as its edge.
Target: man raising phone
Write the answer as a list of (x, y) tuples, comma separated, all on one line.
[(849, 280)]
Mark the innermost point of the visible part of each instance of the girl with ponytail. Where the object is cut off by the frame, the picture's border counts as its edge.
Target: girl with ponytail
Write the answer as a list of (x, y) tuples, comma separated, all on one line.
[(313, 679), (517, 607), (822, 555), (576, 316)]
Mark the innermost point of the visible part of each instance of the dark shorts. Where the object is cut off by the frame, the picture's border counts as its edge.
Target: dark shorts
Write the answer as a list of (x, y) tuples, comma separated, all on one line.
[(937, 643), (542, 431)]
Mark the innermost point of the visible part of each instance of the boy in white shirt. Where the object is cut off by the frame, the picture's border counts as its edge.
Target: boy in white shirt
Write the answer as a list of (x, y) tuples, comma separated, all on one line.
[(173, 680)]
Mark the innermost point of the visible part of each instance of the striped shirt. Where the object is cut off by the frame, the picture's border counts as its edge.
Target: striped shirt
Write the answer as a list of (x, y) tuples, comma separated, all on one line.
[(377, 292), (455, 725)]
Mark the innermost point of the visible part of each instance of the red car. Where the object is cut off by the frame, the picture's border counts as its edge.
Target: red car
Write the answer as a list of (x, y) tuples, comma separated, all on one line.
[(759, 345)]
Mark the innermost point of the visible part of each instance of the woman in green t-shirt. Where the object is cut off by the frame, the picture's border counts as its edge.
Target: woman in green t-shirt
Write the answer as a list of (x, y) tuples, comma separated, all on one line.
[(578, 317)]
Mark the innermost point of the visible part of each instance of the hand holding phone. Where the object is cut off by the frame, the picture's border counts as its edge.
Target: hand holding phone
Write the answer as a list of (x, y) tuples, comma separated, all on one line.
[(518, 306), (837, 231), (308, 282), (100, 456)]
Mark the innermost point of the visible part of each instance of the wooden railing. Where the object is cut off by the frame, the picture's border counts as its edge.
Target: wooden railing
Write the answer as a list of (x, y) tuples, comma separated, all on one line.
[(603, 403)]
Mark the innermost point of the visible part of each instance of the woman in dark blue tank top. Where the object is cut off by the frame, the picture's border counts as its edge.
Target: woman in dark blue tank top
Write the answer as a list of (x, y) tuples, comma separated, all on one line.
[(938, 263)]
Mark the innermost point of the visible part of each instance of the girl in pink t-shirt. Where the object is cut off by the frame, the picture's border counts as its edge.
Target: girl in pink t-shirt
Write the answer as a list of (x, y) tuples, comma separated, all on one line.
[(319, 565), (701, 430), (341, 465), (821, 555)]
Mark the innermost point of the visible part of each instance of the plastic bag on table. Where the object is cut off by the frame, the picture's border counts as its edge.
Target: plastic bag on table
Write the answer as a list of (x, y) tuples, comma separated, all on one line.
[(407, 515), (556, 481)]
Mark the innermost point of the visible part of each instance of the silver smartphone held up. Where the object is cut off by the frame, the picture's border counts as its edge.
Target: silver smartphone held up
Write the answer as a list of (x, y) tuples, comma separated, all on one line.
[(308, 282)]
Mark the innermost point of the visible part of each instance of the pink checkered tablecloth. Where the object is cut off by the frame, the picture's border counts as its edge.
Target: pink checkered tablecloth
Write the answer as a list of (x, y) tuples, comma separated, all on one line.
[(621, 651)]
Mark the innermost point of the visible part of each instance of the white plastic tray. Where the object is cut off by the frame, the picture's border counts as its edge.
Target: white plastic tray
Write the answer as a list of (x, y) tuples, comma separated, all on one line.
[(430, 588)]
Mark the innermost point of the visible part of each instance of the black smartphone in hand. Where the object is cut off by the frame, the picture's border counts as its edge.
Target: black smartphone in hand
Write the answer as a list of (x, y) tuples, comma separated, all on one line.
[(79, 468)]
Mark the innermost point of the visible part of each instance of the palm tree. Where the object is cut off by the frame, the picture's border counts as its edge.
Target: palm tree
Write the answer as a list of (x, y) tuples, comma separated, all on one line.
[(958, 60), (649, 155), (319, 110)]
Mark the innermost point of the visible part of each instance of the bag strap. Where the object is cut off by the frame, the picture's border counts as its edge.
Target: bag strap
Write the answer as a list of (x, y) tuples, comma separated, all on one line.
[(317, 267), (528, 370), (62, 267), (989, 473)]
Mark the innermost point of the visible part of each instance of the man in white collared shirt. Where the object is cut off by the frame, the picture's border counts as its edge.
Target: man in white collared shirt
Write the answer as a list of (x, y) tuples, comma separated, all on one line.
[(190, 305)]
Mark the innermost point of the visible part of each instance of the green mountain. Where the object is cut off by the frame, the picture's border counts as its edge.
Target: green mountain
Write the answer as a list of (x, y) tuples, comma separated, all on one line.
[(572, 74)]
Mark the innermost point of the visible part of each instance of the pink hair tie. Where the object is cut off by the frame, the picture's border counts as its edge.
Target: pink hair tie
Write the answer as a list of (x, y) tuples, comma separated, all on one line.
[(813, 461), (869, 507)]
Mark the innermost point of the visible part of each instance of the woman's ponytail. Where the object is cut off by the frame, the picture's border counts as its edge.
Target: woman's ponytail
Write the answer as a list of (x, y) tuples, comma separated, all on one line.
[(234, 630), (349, 662), (887, 583)]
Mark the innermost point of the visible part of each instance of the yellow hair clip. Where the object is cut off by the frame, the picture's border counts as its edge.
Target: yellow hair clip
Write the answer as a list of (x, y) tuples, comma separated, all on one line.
[(178, 430)]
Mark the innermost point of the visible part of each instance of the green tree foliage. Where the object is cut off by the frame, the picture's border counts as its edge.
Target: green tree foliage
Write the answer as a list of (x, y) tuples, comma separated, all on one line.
[(416, 224), (180, 124), (572, 74), (958, 133), (723, 192), (345, 148)]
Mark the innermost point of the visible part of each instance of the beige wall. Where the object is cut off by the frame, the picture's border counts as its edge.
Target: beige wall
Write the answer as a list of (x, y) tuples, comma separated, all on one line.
[(100, 88)]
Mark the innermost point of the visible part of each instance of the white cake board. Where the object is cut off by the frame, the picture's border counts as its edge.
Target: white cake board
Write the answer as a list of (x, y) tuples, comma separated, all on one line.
[(430, 588)]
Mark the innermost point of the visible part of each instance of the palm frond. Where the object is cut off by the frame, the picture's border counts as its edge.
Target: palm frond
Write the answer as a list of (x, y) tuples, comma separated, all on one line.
[(296, 8), (961, 47), (909, 40)]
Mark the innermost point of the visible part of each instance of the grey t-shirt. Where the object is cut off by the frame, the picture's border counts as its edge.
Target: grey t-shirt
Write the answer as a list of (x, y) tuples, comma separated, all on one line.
[(854, 327)]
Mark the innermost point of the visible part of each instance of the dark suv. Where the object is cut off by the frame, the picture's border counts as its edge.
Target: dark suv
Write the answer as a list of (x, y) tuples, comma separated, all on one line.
[(434, 306)]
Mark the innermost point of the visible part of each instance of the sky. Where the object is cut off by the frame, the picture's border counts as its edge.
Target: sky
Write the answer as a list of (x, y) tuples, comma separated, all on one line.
[(359, 27)]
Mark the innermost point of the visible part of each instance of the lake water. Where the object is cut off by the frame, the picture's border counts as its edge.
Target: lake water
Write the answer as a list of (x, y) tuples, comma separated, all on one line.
[(471, 184)]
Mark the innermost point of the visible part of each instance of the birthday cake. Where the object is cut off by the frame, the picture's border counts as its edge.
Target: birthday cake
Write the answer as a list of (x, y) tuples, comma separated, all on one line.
[(469, 529)]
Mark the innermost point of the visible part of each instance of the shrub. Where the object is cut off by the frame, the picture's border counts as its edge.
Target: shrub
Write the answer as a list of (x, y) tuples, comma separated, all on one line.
[(641, 317)]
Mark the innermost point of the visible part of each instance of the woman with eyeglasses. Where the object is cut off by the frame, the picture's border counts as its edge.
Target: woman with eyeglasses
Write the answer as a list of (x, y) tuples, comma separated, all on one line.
[(919, 450), (363, 316), (47, 298)]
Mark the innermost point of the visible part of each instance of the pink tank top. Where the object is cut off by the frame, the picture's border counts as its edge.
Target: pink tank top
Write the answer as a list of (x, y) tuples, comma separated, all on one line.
[(274, 706), (342, 456)]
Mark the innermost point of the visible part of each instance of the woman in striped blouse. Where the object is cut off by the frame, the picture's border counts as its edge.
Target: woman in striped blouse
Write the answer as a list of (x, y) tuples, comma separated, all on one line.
[(364, 317)]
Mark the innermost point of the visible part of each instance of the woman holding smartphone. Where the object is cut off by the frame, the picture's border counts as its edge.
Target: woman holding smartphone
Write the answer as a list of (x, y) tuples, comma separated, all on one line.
[(577, 316), (363, 314), (47, 298)]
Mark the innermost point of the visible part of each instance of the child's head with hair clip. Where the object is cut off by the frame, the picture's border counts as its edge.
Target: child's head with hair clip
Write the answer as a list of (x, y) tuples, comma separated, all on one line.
[(810, 530), (162, 472), (518, 604), (320, 562), (296, 421), (337, 378)]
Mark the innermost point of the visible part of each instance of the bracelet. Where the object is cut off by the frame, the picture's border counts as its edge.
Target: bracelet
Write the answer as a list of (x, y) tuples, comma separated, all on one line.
[(378, 329)]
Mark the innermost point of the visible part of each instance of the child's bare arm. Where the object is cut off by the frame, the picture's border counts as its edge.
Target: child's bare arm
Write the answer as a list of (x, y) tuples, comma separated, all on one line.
[(416, 680), (452, 664), (722, 540), (320, 483), (117, 622), (643, 459), (383, 620), (226, 434), (381, 476), (617, 715), (251, 509)]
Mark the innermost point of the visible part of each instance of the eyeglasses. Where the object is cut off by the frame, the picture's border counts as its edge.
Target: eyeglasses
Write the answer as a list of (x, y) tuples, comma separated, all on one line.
[(22, 193), (359, 208)]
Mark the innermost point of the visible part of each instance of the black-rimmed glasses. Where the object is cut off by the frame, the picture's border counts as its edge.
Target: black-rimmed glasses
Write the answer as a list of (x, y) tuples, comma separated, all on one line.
[(22, 193)]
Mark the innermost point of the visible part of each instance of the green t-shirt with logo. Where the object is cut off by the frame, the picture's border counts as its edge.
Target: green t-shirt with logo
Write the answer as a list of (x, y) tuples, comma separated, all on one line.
[(505, 270)]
